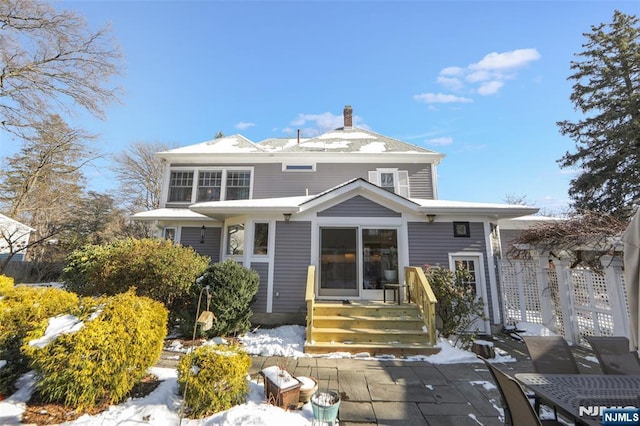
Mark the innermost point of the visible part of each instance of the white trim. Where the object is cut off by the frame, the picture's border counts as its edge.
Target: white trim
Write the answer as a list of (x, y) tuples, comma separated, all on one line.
[(271, 250), (175, 233), (285, 167), (493, 280), (479, 257), (196, 177)]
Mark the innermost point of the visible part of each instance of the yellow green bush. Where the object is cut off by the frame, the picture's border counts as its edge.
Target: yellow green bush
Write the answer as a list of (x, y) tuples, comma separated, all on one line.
[(22, 310), (106, 357), (6, 283), (215, 378)]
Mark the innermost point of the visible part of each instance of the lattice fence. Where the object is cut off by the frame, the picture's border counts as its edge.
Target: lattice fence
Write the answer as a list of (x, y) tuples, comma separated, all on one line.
[(571, 302)]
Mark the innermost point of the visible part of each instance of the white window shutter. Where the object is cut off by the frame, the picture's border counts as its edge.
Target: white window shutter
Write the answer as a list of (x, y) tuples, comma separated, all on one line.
[(403, 183), (373, 177)]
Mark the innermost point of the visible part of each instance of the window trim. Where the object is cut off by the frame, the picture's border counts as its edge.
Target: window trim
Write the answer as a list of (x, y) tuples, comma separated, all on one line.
[(175, 233), (461, 229), (266, 253), (307, 168), (196, 179)]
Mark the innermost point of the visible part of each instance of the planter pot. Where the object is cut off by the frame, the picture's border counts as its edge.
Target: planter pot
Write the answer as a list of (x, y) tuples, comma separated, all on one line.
[(391, 275), (308, 388), (325, 407)]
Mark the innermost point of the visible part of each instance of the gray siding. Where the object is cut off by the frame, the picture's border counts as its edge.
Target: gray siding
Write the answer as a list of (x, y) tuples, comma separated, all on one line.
[(190, 236), (431, 243), (358, 206), (270, 181), (262, 268), (291, 260)]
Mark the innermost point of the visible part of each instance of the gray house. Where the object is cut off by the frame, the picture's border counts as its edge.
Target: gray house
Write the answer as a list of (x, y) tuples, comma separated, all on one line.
[(356, 205)]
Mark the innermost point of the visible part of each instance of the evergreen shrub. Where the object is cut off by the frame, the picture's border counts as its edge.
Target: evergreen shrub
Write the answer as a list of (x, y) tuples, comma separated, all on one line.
[(233, 288), (22, 310), (458, 306), (6, 283), (158, 269), (104, 359), (215, 378)]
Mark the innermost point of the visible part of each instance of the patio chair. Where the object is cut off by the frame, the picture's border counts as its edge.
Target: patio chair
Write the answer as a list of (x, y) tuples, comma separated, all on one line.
[(517, 408), (551, 355), (614, 355)]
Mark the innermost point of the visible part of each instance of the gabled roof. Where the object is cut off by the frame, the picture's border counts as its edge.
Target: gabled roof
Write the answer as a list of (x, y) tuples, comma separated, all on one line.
[(222, 209)]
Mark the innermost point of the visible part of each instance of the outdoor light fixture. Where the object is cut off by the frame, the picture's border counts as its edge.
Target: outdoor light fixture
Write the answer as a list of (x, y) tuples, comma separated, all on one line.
[(287, 217), (202, 234), (431, 217)]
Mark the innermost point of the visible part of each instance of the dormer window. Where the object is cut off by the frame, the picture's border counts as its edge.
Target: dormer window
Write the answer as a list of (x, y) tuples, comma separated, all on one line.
[(392, 180)]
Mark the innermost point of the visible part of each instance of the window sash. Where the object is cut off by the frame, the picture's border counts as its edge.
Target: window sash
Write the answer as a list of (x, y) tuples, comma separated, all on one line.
[(209, 185), (180, 186), (238, 185)]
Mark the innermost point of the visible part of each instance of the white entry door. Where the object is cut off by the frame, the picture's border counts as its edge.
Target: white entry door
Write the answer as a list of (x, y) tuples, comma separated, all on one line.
[(474, 264)]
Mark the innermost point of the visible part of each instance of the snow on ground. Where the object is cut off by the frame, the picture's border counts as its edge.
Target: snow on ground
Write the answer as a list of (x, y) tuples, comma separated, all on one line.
[(162, 406)]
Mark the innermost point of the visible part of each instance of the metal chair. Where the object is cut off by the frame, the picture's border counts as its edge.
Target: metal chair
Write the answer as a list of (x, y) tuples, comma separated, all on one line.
[(551, 355), (614, 355), (517, 408)]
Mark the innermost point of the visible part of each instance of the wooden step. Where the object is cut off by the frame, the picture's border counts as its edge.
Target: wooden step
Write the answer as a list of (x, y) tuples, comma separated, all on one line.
[(368, 335), (361, 321), (375, 328), (373, 349)]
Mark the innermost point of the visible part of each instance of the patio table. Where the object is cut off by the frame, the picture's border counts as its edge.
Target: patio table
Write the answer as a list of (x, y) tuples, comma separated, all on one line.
[(568, 392)]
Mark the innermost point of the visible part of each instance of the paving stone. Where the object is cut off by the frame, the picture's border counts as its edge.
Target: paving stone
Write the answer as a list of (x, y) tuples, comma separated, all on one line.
[(447, 409), (398, 414), (353, 386), (428, 374), (379, 376), (399, 392), (361, 412), (459, 371), (461, 421), (404, 375), (446, 393), (485, 401)]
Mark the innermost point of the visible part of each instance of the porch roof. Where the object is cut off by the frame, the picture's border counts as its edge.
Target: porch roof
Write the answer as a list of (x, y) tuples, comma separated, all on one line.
[(170, 214)]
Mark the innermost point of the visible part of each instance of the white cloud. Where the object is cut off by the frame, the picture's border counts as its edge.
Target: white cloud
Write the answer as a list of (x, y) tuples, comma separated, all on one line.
[(443, 141), (506, 60), (485, 77), (440, 98), (243, 126), (312, 125), (490, 87), (450, 83), (452, 71)]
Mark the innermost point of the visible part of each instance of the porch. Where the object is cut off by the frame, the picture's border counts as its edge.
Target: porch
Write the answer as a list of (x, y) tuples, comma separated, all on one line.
[(374, 327)]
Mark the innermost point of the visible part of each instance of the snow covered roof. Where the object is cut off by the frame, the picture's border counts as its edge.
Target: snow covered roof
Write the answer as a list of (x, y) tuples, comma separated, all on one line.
[(7, 221), (223, 209), (526, 222), (225, 145), (169, 214), (340, 140)]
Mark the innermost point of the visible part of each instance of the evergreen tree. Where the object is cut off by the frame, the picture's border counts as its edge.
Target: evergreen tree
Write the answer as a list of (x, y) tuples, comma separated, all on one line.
[(606, 90)]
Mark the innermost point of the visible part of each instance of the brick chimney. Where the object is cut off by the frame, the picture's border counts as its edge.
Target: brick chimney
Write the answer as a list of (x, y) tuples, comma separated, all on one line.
[(348, 117)]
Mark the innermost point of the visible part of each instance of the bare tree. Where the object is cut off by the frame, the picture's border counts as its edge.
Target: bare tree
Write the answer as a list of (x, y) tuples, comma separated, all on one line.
[(49, 62), (139, 172)]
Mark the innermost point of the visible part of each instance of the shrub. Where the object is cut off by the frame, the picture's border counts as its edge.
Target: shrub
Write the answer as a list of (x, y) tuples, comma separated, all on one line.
[(158, 269), (215, 378), (233, 288), (457, 307), (106, 357), (6, 283), (23, 310)]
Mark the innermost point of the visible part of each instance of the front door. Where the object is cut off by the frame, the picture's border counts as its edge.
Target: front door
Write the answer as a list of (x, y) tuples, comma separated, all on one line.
[(338, 262)]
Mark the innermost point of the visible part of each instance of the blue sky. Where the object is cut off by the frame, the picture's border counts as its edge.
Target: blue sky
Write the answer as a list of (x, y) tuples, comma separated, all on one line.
[(482, 82)]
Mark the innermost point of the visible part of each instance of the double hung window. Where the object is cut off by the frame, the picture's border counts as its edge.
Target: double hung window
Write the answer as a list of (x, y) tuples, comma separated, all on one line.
[(212, 185)]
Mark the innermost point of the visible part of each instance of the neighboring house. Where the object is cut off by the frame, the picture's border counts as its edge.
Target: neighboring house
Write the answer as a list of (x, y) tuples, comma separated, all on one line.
[(357, 205), (14, 237)]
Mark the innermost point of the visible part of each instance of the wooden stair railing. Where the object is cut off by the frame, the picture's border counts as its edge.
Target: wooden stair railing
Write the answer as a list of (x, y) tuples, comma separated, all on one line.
[(421, 293), (310, 297)]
